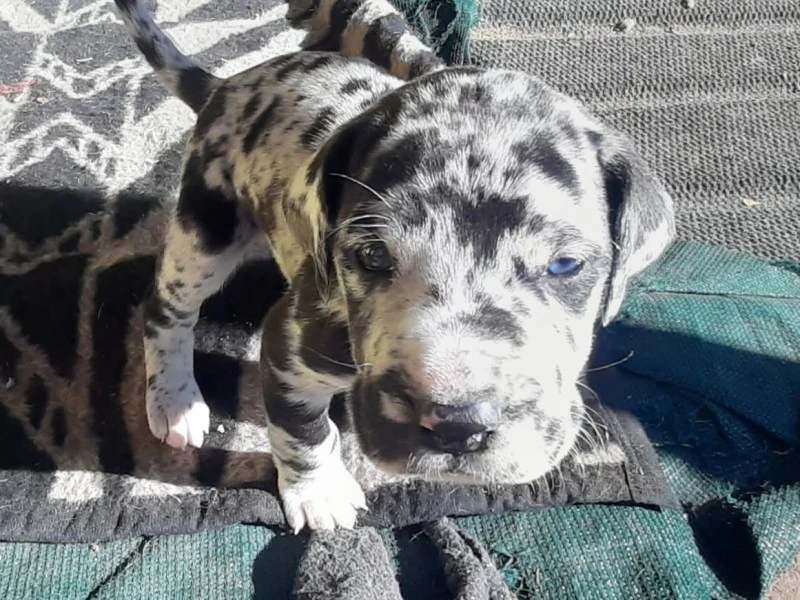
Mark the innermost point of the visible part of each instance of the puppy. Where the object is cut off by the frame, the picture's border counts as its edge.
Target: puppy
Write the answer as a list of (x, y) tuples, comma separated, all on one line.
[(451, 237)]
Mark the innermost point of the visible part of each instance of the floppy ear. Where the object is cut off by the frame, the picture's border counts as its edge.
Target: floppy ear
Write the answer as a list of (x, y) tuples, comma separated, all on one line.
[(640, 215), (312, 206)]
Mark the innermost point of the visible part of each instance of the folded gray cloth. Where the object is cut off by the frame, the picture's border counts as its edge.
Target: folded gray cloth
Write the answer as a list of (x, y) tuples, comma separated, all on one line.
[(354, 565), (471, 573), (348, 565)]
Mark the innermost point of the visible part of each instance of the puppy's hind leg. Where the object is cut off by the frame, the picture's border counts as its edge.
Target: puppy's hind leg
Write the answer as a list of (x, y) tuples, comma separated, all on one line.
[(207, 239)]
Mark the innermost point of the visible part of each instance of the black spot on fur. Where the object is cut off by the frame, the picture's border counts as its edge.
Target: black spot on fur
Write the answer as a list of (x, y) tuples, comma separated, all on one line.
[(251, 106), (210, 213), (552, 428), (366, 103), (494, 322), (381, 39), (260, 126), (278, 62), (473, 94), (572, 292), (303, 421), (321, 60), (154, 316), (568, 130), (287, 69), (70, 244), (319, 128), (36, 214), (130, 210), (425, 109), (17, 450), (354, 86), (217, 149), (36, 398), (58, 425), (570, 338), (418, 150), (595, 139), (44, 301), (543, 154), (481, 225), (173, 287), (119, 290)]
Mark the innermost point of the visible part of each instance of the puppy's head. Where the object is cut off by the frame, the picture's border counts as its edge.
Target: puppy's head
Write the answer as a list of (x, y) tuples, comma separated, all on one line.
[(478, 224)]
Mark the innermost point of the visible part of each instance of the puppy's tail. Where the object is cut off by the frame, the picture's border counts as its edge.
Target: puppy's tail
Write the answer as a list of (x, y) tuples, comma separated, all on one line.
[(371, 29), (176, 71)]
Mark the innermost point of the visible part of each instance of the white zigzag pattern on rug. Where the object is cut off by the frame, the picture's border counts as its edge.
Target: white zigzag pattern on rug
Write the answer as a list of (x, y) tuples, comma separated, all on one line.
[(115, 159)]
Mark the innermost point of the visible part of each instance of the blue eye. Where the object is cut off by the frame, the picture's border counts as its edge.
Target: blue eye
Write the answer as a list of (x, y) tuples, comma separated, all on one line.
[(564, 267)]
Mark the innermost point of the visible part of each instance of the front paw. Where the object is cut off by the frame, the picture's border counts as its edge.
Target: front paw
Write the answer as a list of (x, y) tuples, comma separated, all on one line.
[(176, 412), (325, 498)]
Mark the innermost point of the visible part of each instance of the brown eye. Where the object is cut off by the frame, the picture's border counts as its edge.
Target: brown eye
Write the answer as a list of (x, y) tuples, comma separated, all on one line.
[(375, 257)]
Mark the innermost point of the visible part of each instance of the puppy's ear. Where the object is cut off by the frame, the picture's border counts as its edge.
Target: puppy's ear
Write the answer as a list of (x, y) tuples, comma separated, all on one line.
[(640, 215), (314, 202)]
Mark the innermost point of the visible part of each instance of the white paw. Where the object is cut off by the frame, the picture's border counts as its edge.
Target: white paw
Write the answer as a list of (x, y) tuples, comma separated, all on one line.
[(326, 498), (177, 414)]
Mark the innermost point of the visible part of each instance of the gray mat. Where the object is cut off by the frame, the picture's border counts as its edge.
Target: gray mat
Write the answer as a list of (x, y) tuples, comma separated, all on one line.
[(710, 93)]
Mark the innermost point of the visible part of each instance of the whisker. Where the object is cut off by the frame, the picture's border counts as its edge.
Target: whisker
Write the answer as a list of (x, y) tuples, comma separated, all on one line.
[(336, 362), (588, 389), (613, 364), (363, 185)]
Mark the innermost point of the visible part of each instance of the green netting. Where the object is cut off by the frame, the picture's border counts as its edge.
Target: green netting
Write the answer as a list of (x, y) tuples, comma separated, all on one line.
[(712, 369), (445, 25)]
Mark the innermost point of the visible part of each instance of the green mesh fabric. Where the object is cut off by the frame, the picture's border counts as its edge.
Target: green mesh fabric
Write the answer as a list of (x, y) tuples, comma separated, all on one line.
[(708, 353), (446, 25), (596, 553)]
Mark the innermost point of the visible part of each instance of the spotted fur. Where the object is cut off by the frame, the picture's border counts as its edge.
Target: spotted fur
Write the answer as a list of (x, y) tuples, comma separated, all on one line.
[(462, 353)]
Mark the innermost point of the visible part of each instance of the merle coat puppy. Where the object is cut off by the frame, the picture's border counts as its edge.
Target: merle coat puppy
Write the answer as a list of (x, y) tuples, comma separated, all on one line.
[(451, 237)]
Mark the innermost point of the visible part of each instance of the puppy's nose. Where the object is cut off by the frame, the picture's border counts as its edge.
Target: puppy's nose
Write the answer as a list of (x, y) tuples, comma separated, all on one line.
[(460, 429)]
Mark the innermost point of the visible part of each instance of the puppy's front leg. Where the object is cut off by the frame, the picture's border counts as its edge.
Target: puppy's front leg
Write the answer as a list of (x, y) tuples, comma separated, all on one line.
[(206, 240), (316, 488)]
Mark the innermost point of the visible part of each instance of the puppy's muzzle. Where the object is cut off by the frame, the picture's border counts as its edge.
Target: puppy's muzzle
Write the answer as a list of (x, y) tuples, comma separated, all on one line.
[(459, 429)]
